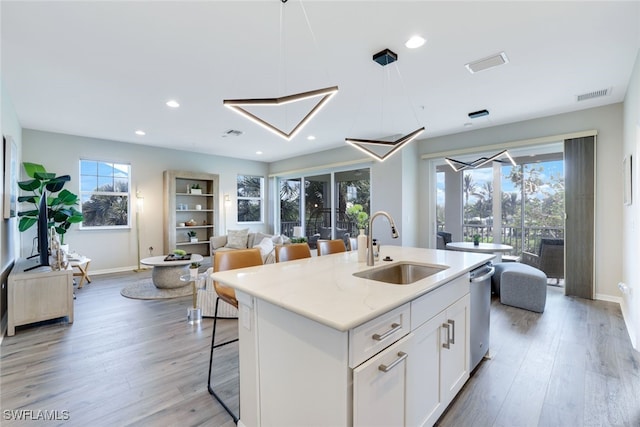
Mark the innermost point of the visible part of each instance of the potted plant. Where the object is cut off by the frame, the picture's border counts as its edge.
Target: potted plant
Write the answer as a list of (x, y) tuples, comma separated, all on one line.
[(196, 189), (60, 202), (192, 236), (193, 270), (357, 214), (476, 240)]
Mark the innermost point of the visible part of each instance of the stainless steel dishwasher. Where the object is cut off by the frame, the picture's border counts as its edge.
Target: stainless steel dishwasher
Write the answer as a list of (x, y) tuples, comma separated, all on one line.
[(480, 312)]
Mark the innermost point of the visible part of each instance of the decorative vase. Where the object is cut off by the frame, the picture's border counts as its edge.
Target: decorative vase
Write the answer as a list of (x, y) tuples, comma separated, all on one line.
[(362, 246), (193, 239), (193, 273)]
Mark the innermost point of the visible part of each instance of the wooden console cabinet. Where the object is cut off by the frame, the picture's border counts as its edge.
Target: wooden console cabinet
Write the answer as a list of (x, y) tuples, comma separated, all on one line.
[(37, 295)]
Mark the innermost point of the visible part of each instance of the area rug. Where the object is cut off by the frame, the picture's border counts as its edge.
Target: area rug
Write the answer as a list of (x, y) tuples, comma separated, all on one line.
[(145, 289)]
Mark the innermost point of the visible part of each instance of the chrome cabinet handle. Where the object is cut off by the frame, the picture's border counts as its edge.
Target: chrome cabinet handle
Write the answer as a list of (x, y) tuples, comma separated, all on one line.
[(448, 340), (453, 332), (380, 337), (401, 356), (485, 276)]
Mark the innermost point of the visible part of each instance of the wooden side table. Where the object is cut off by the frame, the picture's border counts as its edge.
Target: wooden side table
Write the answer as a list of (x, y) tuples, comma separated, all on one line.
[(39, 294), (82, 264)]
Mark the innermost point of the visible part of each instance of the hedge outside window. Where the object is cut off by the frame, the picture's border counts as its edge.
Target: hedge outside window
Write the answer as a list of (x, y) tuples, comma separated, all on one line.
[(250, 195), (105, 194)]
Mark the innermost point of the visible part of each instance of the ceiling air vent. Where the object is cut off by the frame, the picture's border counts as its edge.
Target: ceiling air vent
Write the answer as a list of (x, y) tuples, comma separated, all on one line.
[(231, 132), (486, 63), (594, 94)]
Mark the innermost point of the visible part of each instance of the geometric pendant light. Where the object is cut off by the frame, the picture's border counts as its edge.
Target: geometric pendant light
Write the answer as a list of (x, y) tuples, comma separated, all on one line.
[(384, 58), (361, 144), (325, 95), (237, 104), (458, 165)]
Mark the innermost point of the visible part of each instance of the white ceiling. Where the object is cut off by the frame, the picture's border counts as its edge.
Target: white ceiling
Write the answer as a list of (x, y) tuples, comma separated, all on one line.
[(106, 69)]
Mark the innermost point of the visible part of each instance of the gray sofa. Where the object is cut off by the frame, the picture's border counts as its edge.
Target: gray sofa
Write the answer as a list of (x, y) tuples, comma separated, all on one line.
[(243, 239)]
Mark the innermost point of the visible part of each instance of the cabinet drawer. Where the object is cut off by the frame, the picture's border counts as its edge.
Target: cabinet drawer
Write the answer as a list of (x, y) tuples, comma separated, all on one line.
[(430, 304), (368, 339)]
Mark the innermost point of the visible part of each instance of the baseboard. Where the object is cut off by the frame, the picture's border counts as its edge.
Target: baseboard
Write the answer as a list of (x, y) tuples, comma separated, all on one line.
[(610, 298), (630, 327)]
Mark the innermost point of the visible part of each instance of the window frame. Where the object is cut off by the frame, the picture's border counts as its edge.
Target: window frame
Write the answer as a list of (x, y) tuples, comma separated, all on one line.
[(259, 199), (83, 194)]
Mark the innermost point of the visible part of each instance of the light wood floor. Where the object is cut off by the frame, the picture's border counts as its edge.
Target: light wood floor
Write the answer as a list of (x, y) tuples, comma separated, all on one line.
[(132, 362)]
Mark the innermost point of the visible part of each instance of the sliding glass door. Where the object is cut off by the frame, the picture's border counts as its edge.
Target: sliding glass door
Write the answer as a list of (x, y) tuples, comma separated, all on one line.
[(318, 204), (531, 205)]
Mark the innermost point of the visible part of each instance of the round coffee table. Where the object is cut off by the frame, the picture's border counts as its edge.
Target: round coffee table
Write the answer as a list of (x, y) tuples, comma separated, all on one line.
[(166, 274)]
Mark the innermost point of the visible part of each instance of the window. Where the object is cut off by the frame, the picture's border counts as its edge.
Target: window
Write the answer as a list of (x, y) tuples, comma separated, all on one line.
[(250, 195), (104, 193), (319, 204)]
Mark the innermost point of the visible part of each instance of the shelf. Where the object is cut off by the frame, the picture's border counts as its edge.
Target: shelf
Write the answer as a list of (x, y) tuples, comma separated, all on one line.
[(179, 207), (195, 195)]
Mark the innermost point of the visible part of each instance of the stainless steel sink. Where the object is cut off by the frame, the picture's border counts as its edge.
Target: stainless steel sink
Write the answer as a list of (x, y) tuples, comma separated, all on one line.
[(402, 273)]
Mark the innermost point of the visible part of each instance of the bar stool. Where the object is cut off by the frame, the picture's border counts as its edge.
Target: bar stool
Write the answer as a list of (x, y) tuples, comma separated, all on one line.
[(222, 261), (292, 251), (326, 247)]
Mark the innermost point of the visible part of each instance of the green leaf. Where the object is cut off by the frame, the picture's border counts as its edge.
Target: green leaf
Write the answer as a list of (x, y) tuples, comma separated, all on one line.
[(26, 223), (32, 213), (30, 185), (44, 176), (56, 184), (29, 199), (32, 168)]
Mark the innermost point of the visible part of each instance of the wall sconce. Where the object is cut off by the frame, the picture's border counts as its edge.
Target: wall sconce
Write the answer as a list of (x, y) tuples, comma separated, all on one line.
[(227, 200)]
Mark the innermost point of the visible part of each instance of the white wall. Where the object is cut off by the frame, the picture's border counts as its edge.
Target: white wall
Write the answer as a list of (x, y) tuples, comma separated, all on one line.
[(10, 126), (116, 250), (631, 214), (608, 122)]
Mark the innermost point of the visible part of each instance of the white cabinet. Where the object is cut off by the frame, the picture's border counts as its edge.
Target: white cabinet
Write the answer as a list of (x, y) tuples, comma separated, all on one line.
[(438, 362), (401, 368), (39, 294), (380, 387), (187, 211)]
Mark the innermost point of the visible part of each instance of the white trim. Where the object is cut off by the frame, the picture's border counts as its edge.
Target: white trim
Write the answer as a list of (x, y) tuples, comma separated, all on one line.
[(305, 171), (512, 144), (609, 298)]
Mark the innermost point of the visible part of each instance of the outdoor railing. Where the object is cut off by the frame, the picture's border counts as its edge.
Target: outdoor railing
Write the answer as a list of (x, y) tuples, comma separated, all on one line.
[(522, 241)]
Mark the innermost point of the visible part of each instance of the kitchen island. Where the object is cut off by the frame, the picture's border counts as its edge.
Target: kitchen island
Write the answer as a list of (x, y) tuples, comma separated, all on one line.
[(319, 346)]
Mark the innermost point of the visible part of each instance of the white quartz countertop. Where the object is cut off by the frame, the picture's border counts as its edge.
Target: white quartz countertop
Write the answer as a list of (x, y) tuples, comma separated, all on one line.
[(324, 289)]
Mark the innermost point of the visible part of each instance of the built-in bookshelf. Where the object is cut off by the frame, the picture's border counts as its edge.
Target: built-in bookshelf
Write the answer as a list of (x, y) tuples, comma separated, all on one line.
[(189, 208)]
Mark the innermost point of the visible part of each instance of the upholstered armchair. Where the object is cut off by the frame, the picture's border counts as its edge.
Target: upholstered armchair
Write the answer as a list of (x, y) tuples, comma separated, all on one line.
[(549, 259), (443, 238)]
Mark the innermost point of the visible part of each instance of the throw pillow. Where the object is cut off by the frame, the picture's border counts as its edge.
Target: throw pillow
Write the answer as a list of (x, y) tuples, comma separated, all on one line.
[(266, 247), (237, 239)]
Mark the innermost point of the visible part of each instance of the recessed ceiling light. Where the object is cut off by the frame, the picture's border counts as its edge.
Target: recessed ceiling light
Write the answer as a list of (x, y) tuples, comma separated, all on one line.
[(173, 103), (140, 133), (258, 152), (311, 137), (414, 42)]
